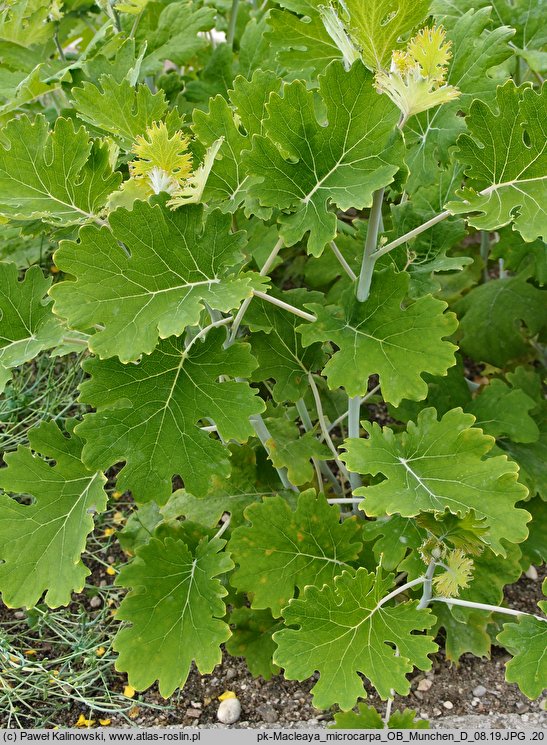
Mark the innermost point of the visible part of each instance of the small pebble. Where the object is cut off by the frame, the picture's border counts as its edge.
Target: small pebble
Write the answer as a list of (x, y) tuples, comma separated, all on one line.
[(267, 713), (479, 691), (425, 684), (448, 705), (531, 573), (95, 602), (229, 711), (193, 713), (20, 614), (230, 673)]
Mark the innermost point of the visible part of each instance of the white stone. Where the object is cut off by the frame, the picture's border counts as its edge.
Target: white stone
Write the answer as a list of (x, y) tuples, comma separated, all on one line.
[(229, 711), (448, 705), (425, 684)]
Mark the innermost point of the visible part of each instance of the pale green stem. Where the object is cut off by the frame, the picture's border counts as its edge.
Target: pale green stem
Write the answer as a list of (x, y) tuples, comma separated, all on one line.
[(398, 591), (485, 250), (346, 267), (286, 306), (323, 427), (502, 272), (354, 413), (204, 331), (70, 340), (369, 258), (428, 585), (345, 500), (363, 400), (485, 606), (263, 434), (245, 304), (232, 23), (222, 528), (58, 44), (411, 234), (323, 467)]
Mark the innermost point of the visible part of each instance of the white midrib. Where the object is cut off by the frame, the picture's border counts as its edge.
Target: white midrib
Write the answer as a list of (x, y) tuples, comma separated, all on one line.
[(424, 486)]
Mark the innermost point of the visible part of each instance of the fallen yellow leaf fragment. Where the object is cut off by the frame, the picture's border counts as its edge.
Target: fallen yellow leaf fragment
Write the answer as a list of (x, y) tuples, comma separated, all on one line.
[(109, 531), (83, 722), (100, 651), (30, 652), (129, 691), (226, 695), (133, 713), (105, 722), (117, 518), (116, 494), (111, 571)]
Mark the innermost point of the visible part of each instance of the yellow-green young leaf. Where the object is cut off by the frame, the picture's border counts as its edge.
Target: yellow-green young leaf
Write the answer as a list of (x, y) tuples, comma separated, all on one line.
[(527, 642), (382, 336), (439, 465), (27, 325), (150, 276), (512, 188), (379, 27), (58, 176), (41, 543), (368, 718), (147, 414), (118, 108), (175, 609), (304, 166), (25, 22), (284, 550), (345, 629), (252, 639)]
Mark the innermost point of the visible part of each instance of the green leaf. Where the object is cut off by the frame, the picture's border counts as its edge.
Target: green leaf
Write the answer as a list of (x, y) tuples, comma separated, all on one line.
[(283, 550), (27, 325), (172, 33), (174, 607), (303, 166), (512, 188), (392, 537), (431, 134), (381, 336), (520, 257), (148, 412), (534, 549), (380, 26), (527, 642), (501, 410), (58, 176), (368, 718), (252, 639), (344, 629), (118, 108), (172, 264), (278, 349), (229, 181), (26, 22), (497, 317), (436, 466), (302, 44), (41, 543), (289, 449)]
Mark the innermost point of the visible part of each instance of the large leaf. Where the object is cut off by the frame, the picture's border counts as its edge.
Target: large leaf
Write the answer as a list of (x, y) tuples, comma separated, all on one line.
[(380, 26), (289, 449), (27, 325), (303, 165), (283, 550), (496, 318), (229, 181), (172, 32), (501, 410), (527, 641), (252, 639), (118, 108), (439, 465), (301, 42), (512, 188), (381, 336), (345, 629), (58, 176), (148, 414), (149, 277), (174, 607), (41, 543), (475, 52)]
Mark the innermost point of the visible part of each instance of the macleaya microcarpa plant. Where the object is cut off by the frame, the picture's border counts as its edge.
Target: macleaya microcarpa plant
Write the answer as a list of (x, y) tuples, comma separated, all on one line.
[(305, 266)]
